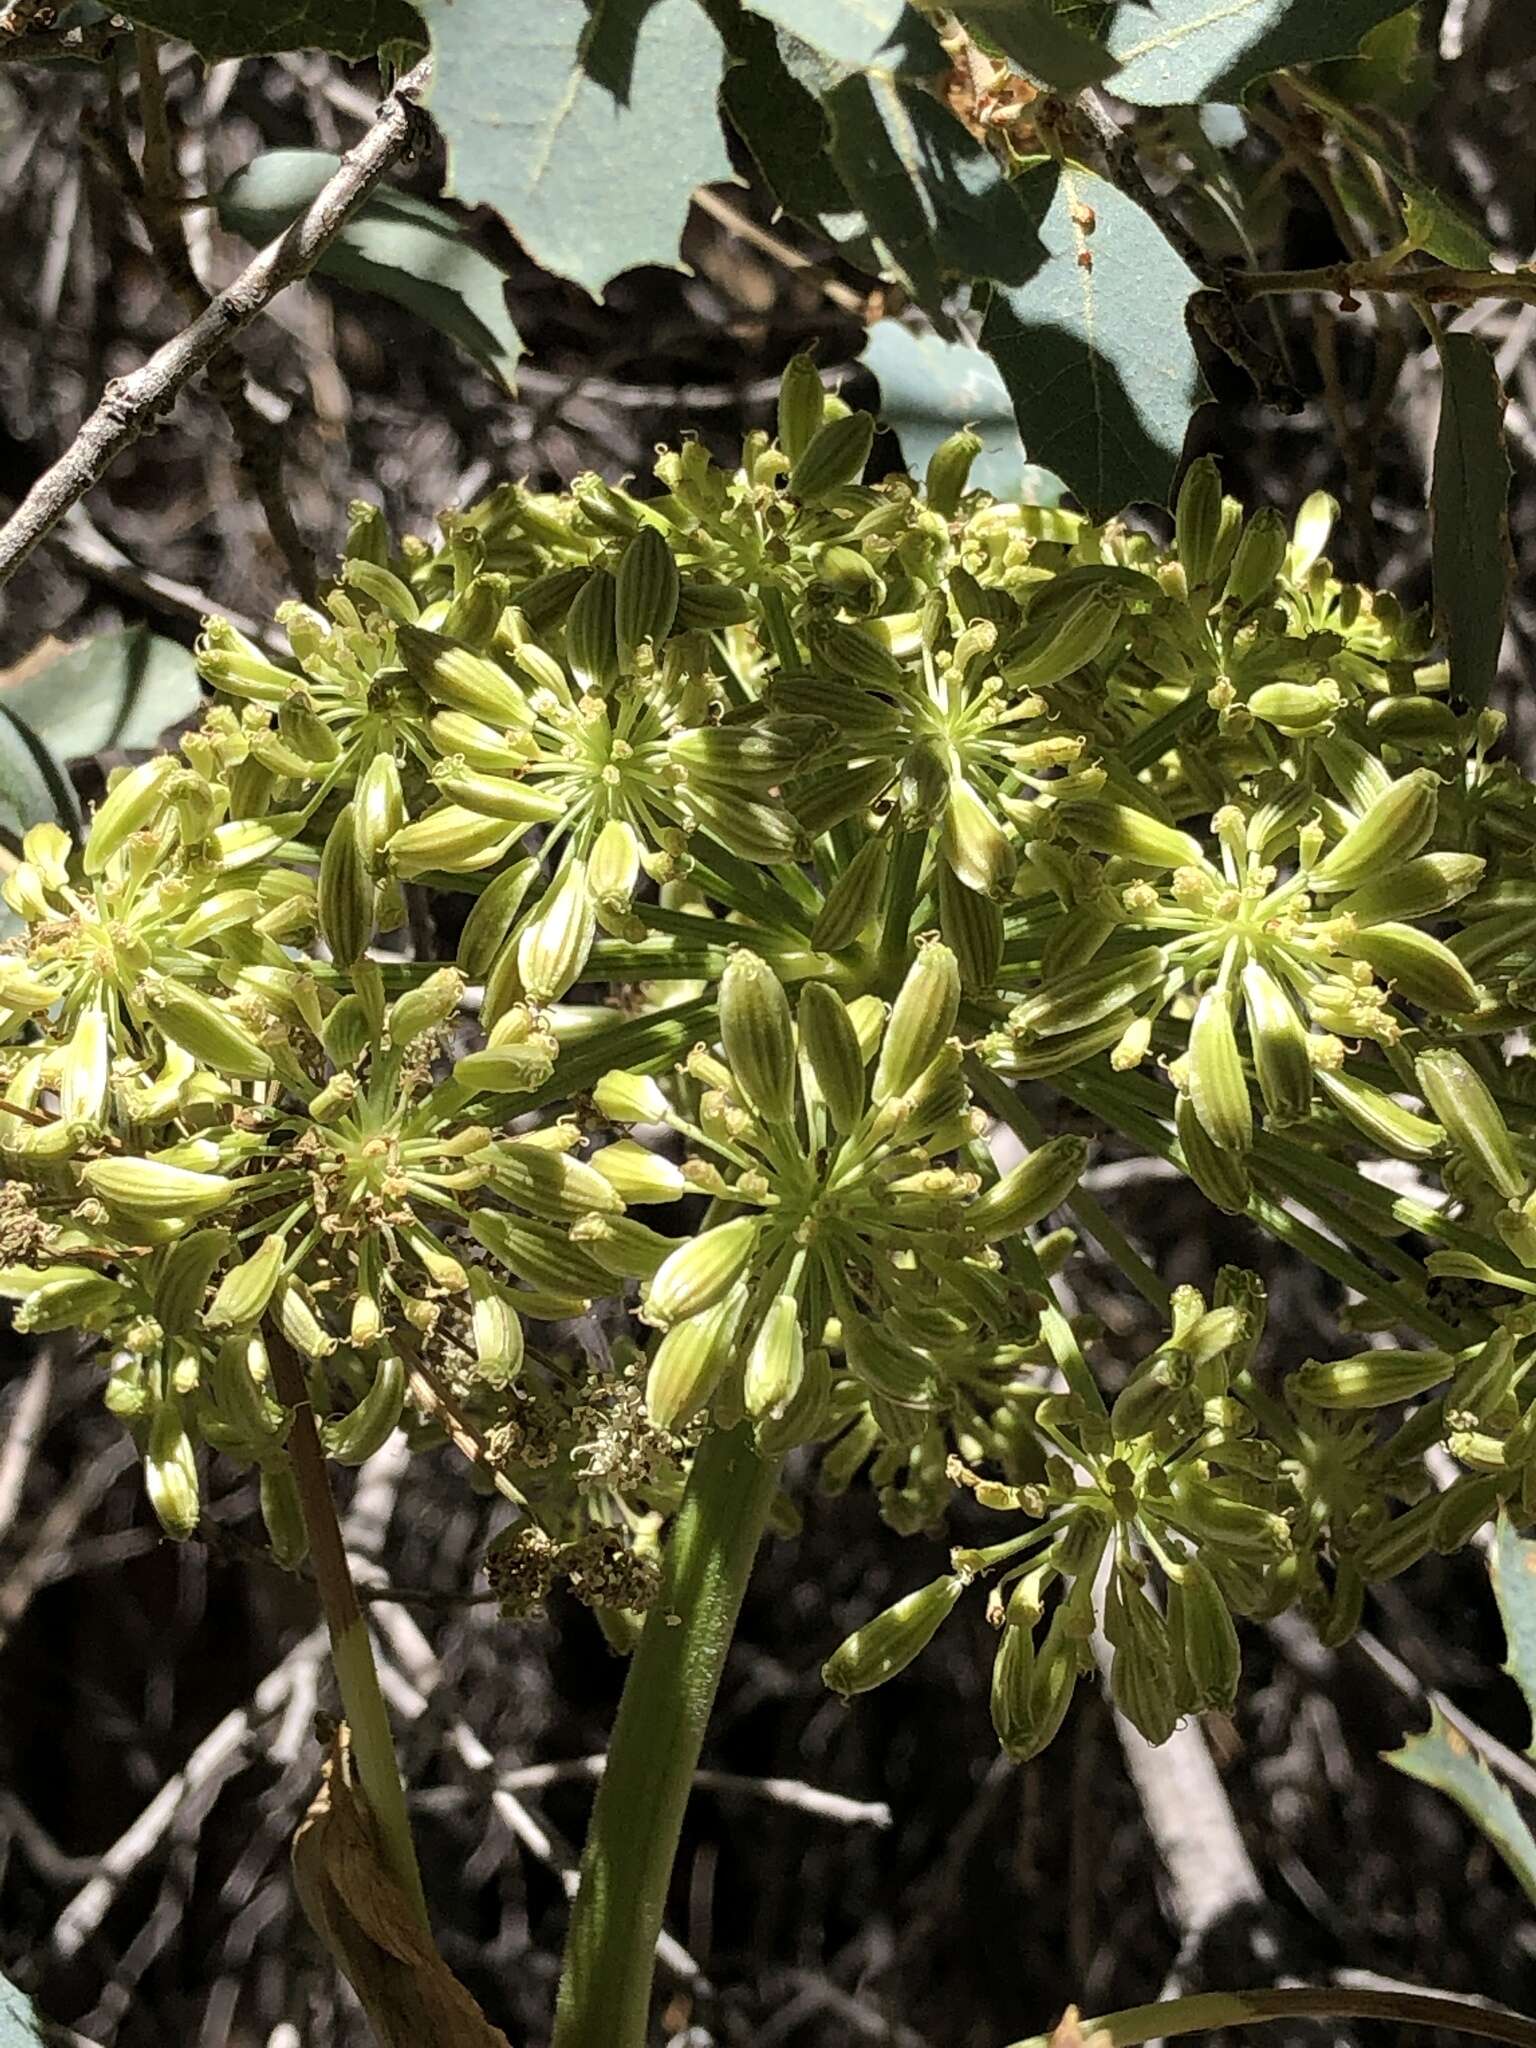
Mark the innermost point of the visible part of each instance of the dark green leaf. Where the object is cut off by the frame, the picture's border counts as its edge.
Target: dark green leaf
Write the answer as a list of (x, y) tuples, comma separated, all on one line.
[(849, 31), (1173, 52), (936, 199), (118, 690), (34, 789), (1514, 1586), (587, 128), (1093, 348), (1431, 220), (1041, 41), (1445, 1759), (251, 28), (782, 123), (1469, 506), (929, 387), (399, 247)]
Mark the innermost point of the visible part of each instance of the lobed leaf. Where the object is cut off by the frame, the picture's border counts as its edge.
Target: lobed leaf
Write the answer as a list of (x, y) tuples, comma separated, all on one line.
[(848, 31), (398, 247), (1469, 505), (1443, 1757), (118, 689), (1093, 346), (1174, 52), (587, 128), (1513, 1567)]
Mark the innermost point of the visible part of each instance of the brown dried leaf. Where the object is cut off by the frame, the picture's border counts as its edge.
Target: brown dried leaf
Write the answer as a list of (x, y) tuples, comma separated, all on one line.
[(359, 1911)]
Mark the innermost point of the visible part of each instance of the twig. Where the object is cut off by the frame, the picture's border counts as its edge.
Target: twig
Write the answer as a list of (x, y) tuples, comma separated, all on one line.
[(862, 305), (156, 192), (833, 1806), (21, 1438), (1435, 283), (135, 404), (104, 562), (41, 1560)]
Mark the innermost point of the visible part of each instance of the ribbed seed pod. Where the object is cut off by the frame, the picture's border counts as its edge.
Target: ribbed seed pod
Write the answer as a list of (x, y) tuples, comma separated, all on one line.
[(1259, 559), (1222, 1177), (488, 923), (922, 792), (1204, 1637), (245, 1290), (690, 1361), (888, 1644), (1415, 888), (149, 1190), (134, 800), (553, 946), (1418, 966), (834, 456), (830, 1046), (462, 680), (922, 1018), (856, 653), (802, 402), (1108, 827), (550, 1184), (1031, 1694), (645, 593), (424, 1008), (346, 891), (1472, 1120), (496, 1329), (1028, 1192), (185, 1269), (638, 1175), (949, 471), (283, 1516), (853, 900), (711, 607), (1197, 521), (972, 927), (356, 1436), (1401, 1543), (1297, 709), (1072, 634), (84, 1069), (776, 1361), (1088, 994), (199, 1024), (451, 839), (1278, 1039), (701, 1271), (1217, 1086), (973, 843), (170, 1472), (57, 1297), (1392, 829), (592, 634), (1380, 1119), (759, 1036), (626, 1098), (1371, 1379), (498, 796)]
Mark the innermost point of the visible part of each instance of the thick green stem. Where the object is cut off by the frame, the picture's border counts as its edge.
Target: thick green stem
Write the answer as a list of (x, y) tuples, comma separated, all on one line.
[(1206, 2009), (610, 1954)]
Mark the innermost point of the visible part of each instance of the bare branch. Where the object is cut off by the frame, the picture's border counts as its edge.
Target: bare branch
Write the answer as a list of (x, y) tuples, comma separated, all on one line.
[(135, 404)]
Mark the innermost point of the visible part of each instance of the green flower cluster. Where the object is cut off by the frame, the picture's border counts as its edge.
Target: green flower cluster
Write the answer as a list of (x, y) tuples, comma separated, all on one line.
[(729, 851)]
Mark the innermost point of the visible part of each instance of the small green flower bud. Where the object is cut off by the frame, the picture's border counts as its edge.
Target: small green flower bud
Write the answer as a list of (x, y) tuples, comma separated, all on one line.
[(806, 1416), (185, 1270), (1150, 1396), (451, 839), (853, 899), (1418, 966), (949, 470), (758, 1036), (550, 1184), (888, 1644), (1380, 1119), (922, 1018), (1371, 1379), (497, 1332), (637, 1174), (83, 1069), (973, 843), (626, 1098), (498, 796), (834, 456), (204, 1028), (892, 1369), (1465, 1507), (703, 1270), (1259, 559), (1223, 1522), (134, 801), (494, 913), (1217, 1086), (356, 1436), (1471, 1117), (1297, 709), (460, 679)]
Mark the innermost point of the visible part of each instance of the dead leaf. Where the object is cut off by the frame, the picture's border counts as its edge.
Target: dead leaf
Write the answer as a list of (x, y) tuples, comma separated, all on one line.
[(1068, 2032), (369, 1925)]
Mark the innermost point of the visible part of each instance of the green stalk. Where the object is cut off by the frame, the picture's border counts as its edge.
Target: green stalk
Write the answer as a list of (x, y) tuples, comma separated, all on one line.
[(610, 1952), (1206, 2009)]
